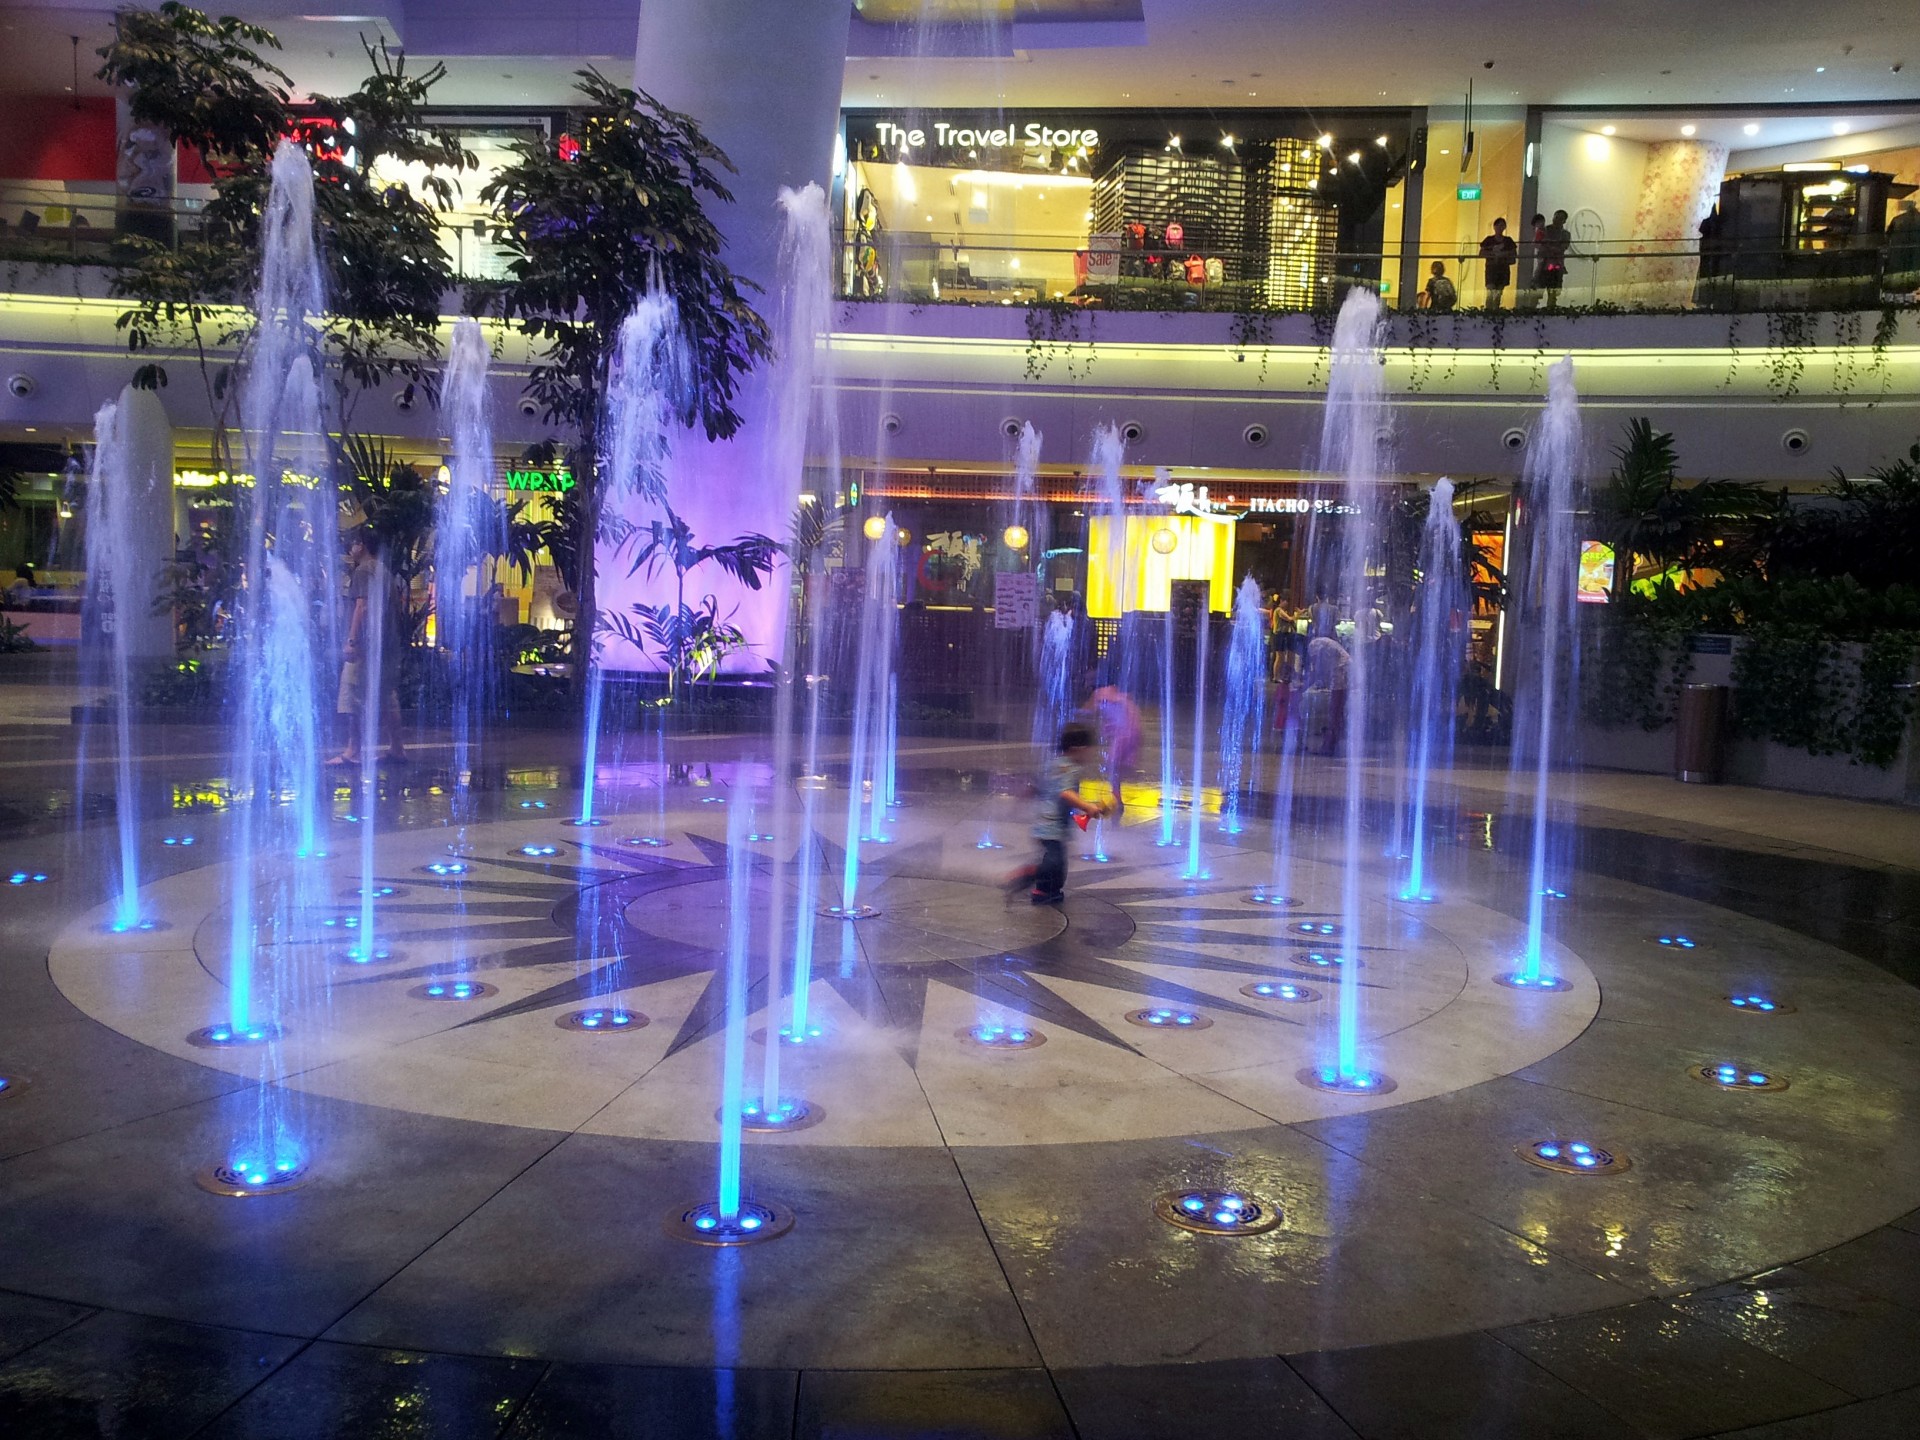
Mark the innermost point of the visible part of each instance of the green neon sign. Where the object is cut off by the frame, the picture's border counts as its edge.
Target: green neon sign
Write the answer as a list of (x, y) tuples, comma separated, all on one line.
[(535, 478)]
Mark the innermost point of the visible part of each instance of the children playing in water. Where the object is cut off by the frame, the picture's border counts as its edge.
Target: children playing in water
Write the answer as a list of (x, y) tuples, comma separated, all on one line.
[(1059, 801)]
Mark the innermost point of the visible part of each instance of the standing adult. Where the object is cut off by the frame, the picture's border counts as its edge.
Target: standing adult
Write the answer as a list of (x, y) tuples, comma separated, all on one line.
[(1530, 262), (1555, 242), (1498, 252), (368, 579)]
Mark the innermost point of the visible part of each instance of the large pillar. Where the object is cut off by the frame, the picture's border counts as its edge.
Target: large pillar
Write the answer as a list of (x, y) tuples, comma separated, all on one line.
[(150, 506), (763, 79)]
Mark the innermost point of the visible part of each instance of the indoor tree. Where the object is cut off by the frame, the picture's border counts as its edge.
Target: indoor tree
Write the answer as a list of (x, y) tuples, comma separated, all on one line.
[(205, 83), (1645, 513), (591, 220)]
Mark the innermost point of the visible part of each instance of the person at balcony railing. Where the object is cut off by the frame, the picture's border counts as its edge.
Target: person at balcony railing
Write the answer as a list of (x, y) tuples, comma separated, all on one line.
[(1530, 263), (1903, 248), (1555, 242), (1439, 296), (1498, 252)]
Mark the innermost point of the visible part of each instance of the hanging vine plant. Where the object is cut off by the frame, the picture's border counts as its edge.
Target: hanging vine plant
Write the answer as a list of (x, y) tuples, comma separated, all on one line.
[(1733, 353), (1496, 341), (1846, 362), (1253, 329), (1790, 335)]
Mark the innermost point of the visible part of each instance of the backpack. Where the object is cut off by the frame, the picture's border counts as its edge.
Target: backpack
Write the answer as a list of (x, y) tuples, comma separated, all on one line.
[(1442, 295)]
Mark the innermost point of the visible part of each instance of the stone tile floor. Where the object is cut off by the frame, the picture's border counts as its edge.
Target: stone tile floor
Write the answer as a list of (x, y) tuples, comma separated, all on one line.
[(102, 1329)]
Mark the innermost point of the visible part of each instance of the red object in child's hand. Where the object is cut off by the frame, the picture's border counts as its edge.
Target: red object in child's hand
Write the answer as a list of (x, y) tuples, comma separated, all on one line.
[(1081, 819)]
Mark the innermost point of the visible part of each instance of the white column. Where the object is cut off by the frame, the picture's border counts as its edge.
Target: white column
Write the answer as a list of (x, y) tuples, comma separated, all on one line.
[(763, 79)]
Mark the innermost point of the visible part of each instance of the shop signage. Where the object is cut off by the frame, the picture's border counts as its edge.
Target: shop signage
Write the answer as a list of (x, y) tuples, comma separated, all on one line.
[(1298, 505), (1189, 499), (1466, 192), (557, 477), (1103, 256), (1034, 135)]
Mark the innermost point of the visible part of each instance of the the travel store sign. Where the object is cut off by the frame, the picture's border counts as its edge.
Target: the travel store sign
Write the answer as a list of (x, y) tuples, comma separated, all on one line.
[(943, 140)]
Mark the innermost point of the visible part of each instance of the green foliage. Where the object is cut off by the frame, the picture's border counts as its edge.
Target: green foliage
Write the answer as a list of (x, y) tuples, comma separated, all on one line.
[(14, 639), (692, 640), (588, 233), (203, 82), (1799, 687), (1644, 512), (1633, 674)]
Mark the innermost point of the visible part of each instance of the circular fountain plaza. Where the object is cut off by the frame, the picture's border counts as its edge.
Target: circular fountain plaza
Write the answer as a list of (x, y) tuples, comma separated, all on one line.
[(479, 1172)]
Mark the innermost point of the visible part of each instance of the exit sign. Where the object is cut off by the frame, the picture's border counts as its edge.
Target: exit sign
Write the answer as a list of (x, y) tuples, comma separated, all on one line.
[(1466, 192)]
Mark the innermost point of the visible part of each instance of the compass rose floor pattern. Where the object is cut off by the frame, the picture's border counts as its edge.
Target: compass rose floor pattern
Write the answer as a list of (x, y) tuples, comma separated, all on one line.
[(489, 1184)]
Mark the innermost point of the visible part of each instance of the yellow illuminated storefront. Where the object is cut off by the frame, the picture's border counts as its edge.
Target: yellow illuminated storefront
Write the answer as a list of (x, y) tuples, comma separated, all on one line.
[(1158, 550)]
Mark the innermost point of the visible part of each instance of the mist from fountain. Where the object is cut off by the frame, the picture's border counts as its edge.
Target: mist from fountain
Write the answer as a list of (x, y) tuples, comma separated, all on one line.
[(879, 635), (469, 529), (1542, 616), (1196, 860), (114, 590), (1243, 717), (1439, 650), (1352, 447)]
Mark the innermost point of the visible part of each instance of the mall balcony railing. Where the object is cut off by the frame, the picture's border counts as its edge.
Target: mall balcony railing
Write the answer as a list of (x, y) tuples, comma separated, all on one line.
[(52, 224), (44, 223), (1617, 275)]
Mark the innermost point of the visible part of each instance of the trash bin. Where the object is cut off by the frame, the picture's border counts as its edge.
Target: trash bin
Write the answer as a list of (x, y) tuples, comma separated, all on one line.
[(1700, 736)]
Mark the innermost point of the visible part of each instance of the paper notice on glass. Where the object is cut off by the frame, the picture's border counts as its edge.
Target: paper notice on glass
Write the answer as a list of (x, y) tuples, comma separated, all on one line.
[(1103, 257), (1016, 600)]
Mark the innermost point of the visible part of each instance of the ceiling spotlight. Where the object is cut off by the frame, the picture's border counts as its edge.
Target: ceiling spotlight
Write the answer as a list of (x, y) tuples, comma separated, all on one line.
[(1381, 141), (1354, 158), (1326, 142), (1174, 141), (1841, 127), (1689, 129), (1607, 129), (1750, 128), (1819, 69)]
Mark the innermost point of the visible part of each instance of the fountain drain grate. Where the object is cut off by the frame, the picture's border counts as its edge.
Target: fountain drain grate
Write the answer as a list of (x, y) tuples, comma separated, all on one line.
[(1163, 1018), (12, 1085), (1217, 1212), (1351, 1082), (1516, 980), (703, 1224), (850, 912), (1274, 900), (1572, 1157), (239, 1181), (1731, 1075), (233, 1037), (604, 1021), (453, 990), (1283, 990), (1760, 1005), (780, 1119), (993, 1036), (810, 1035)]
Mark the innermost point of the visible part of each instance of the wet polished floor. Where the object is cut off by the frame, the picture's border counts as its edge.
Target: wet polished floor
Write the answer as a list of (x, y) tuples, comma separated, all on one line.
[(481, 1251)]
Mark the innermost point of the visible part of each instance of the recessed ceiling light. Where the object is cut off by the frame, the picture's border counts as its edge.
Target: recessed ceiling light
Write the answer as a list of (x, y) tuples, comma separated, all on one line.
[(1750, 128), (1689, 129), (1819, 69), (1446, 152), (1841, 127), (1607, 129)]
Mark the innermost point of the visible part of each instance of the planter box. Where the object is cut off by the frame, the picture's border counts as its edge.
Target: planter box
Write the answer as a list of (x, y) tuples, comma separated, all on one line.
[(1760, 763)]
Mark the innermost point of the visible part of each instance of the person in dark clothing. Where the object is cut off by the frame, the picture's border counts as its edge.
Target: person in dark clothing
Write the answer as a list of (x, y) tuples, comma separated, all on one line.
[(1498, 251), (1439, 294), (1530, 262), (1060, 801), (1555, 241)]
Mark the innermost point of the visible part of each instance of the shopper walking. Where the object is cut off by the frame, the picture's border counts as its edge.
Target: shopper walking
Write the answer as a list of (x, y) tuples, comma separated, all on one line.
[(1498, 252), (368, 580)]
